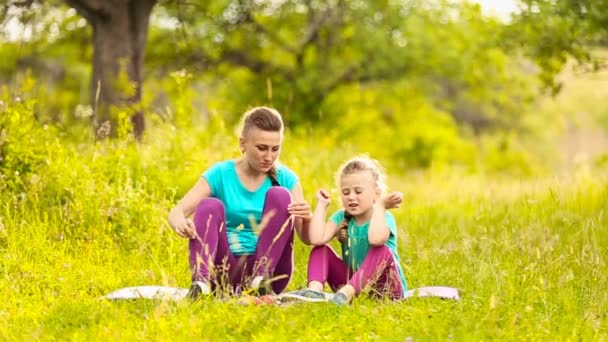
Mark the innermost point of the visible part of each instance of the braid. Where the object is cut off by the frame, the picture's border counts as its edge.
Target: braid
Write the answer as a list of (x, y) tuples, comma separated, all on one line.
[(343, 229), (272, 173)]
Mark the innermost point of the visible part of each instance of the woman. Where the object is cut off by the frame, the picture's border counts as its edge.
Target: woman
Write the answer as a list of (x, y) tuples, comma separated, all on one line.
[(245, 213)]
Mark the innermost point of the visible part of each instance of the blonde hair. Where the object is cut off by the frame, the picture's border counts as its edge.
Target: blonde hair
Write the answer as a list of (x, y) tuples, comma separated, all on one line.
[(354, 165), (363, 163)]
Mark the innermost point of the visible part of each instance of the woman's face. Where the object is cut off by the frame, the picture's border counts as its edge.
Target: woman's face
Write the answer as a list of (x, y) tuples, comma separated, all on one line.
[(261, 148)]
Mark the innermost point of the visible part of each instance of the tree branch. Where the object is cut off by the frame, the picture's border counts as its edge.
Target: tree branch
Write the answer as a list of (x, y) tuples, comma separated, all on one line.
[(22, 3), (199, 59), (244, 59), (271, 36), (316, 22), (90, 10), (355, 74), (139, 18)]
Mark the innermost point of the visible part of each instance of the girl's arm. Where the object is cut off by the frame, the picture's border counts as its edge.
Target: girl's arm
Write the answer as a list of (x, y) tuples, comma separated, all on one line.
[(393, 200), (320, 232), (378, 232), (178, 216)]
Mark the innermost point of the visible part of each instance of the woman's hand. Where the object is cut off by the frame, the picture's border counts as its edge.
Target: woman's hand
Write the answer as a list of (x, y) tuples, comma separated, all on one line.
[(392, 200), (300, 209), (183, 226), (178, 216)]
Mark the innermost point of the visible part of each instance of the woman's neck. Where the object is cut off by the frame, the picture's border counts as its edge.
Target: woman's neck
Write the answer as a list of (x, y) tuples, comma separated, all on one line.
[(243, 166)]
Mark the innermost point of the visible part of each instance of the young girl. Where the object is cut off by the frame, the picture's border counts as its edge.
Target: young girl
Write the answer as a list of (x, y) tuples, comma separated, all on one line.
[(367, 233)]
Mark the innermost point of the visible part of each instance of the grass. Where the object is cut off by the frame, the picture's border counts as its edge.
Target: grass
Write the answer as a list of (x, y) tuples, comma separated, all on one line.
[(81, 219), (528, 254)]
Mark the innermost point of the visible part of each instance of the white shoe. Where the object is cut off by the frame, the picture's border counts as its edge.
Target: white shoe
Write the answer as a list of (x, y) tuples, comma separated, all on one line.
[(198, 289), (260, 285)]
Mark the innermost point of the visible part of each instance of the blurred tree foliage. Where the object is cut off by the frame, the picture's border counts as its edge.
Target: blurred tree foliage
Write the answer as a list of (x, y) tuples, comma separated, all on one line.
[(551, 31), (295, 54), (119, 37), (428, 75)]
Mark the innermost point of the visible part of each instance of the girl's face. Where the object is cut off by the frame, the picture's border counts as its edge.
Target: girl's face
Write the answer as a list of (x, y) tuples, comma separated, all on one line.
[(359, 192), (261, 148)]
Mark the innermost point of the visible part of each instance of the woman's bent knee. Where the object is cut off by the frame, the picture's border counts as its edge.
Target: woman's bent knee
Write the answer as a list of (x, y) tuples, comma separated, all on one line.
[(210, 204), (278, 193)]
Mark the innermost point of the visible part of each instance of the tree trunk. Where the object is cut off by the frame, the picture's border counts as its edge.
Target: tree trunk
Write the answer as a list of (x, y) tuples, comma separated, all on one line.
[(120, 31)]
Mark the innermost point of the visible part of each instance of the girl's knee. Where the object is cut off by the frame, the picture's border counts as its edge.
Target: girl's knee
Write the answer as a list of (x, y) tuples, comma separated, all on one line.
[(323, 249), (380, 249), (278, 194), (381, 252)]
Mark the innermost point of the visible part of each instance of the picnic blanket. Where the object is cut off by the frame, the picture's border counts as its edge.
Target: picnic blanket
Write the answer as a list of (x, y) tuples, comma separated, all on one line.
[(168, 293)]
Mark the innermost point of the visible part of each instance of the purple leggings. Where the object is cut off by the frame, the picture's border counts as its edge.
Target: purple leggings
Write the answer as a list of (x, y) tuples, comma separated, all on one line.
[(212, 261), (377, 271)]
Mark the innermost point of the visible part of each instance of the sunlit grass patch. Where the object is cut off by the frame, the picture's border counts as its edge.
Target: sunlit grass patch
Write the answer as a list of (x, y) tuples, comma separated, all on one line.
[(82, 219)]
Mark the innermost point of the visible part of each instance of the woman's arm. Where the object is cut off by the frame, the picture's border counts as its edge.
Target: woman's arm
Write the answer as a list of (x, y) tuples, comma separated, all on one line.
[(178, 216), (320, 232), (300, 209)]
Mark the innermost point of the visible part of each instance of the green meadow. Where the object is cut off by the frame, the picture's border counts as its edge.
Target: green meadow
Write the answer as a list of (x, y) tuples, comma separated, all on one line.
[(81, 218), (495, 130)]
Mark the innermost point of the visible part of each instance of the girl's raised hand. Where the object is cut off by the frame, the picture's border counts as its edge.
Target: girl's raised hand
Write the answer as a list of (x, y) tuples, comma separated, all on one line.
[(323, 197), (393, 200)]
